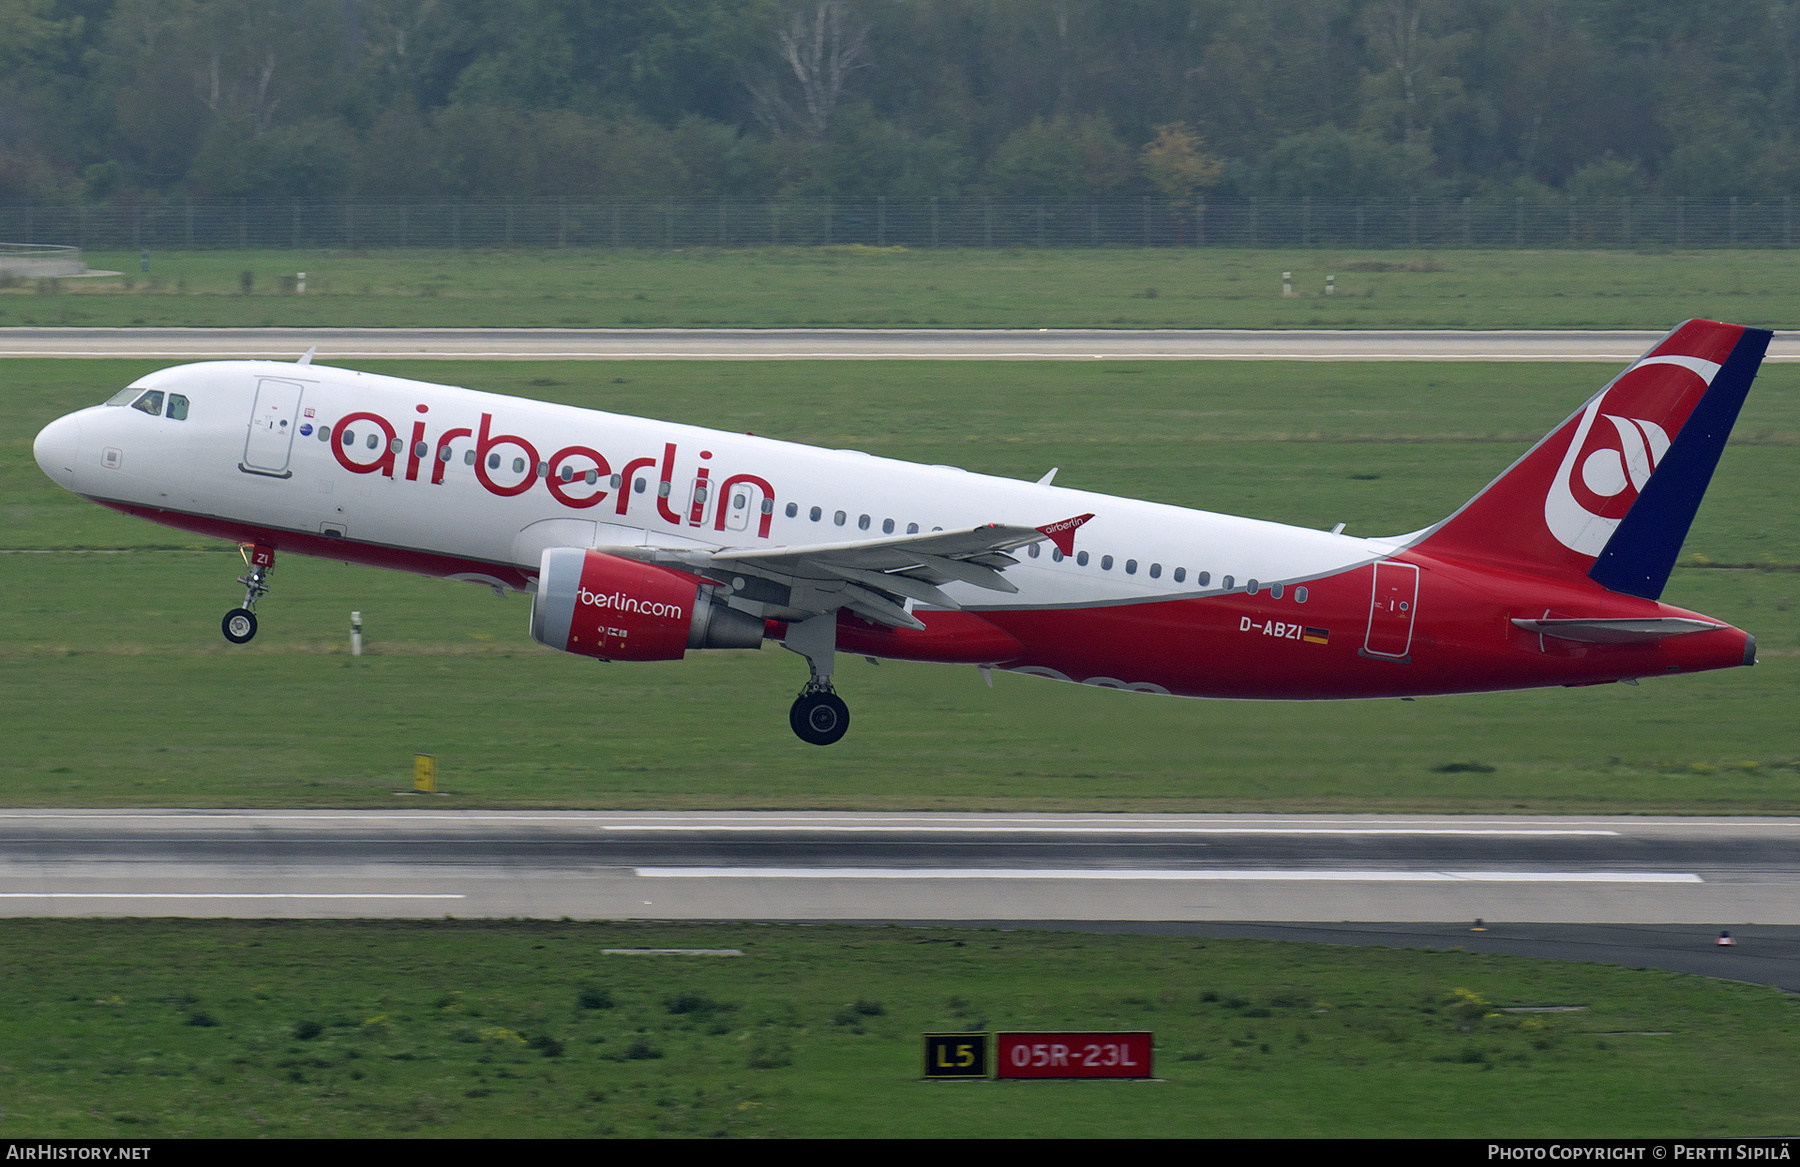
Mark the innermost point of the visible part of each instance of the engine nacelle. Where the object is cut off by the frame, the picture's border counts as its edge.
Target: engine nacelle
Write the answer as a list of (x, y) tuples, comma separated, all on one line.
[(595, 604)]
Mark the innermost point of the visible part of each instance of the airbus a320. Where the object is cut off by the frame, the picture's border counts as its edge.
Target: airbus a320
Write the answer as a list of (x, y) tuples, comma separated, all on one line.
[(645, 540)]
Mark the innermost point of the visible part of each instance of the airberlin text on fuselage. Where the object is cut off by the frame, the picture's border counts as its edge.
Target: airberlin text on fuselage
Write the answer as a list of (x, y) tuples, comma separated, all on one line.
[(587, 485)]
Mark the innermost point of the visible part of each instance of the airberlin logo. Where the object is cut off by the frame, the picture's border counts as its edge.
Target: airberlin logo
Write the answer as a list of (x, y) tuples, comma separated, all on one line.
[(578, 477), (620, 602), (1612, 455)]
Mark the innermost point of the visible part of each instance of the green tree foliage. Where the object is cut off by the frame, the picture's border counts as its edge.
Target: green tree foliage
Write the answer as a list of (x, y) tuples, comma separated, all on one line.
[(120, 99)]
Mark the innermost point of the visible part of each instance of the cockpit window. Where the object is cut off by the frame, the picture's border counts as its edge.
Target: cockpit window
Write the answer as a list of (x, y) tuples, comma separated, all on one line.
[(178, 406), (150, 403), (123, 396)]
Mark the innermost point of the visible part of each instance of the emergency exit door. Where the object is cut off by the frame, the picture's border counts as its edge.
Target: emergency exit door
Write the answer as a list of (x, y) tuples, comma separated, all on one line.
[(1392, 607)]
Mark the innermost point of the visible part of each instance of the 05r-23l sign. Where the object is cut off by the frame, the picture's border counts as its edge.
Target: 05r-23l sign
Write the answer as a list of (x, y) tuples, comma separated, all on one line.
[(1073, 1055)]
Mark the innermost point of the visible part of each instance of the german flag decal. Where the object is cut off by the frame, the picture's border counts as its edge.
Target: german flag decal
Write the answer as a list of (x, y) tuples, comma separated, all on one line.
[(1317, 636)]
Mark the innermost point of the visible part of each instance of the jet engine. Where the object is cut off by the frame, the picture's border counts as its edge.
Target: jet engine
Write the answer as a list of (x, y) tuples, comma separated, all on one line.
[(595, 604)]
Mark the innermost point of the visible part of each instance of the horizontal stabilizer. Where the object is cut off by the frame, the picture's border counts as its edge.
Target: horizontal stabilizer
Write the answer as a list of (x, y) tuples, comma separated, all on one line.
[(1635, 631)]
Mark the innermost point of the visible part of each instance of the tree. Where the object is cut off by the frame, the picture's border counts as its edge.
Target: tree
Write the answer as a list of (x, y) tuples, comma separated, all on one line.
[(821, 46), (1175, 165), (1061, 159)]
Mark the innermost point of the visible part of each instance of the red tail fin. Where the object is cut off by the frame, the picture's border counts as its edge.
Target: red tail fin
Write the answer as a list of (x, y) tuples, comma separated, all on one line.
[(1554, 510)]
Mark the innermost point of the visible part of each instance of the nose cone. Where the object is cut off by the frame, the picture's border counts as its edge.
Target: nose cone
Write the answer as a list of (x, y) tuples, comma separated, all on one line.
[(56, 448)]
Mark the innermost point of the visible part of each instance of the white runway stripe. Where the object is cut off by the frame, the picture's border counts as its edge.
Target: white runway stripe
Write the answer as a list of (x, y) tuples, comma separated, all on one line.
[(1106, 830), (1195, 875), (225, 895)]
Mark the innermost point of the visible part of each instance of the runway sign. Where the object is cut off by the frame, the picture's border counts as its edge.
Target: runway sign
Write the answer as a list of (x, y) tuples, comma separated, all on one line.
[(1073, 1055), (956, 1055), (425, 773)]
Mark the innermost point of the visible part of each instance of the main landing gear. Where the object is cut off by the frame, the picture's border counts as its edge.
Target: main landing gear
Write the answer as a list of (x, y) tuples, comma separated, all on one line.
[(239, 625), (819, 716)]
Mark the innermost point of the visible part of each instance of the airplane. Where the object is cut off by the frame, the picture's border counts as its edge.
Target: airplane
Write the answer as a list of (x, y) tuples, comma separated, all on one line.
[(643, 540)]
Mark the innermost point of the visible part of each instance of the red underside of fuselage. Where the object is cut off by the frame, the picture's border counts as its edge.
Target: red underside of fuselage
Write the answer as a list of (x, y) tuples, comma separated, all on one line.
[(1459, 636)]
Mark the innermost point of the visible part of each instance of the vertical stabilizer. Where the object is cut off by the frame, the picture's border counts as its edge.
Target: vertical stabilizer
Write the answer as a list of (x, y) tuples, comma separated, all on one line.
[(1611, 492)]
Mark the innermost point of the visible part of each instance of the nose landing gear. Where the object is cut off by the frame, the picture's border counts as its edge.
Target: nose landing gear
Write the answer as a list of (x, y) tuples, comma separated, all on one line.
[(819, 716), (239, 625)]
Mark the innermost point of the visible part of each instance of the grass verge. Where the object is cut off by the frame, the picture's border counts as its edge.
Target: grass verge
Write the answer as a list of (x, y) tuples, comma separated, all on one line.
[(215, 1028), (897, 288)]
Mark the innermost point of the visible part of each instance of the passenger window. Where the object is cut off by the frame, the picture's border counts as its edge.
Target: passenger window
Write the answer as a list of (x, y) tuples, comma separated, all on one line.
[(1056, 556), (887, 526), (349, 437), (1253, 587), (1180, 574), (420, 449), (815, 514), (493, 461), (912, 528), (1300, 595), (396, 446), (593, 477), (324, 433), (1228, 583), (862, 524), (1275, 591), (1156, 571), (1081, 558), (1106, 563), (566, 472), (839, 518), (662, 489), (1131, 567), (616, 480), (518, 465), (150, 403), (1204, 579), (1032, 551), (638, 486), (543, 470), (793, 508), (178, 406), (445, 453)]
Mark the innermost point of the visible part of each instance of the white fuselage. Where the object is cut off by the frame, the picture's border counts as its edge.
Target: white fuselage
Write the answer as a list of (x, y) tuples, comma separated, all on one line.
[(237, 457)]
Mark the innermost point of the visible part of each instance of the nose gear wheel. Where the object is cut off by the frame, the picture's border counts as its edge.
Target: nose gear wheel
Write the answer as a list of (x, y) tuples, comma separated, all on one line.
[(239, 625)]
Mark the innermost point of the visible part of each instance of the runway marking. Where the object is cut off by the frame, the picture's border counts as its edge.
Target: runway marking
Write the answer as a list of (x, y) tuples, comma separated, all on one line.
[(907, 828), (226, 895), (1179, 875), (1106, 830)]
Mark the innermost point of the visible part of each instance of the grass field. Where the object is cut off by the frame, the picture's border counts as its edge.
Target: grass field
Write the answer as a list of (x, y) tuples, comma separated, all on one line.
[(121, 692), (897, 288), (159, 1028)]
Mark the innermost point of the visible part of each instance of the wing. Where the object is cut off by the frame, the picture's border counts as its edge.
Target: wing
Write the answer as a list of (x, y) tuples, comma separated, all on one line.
[(872, 577)]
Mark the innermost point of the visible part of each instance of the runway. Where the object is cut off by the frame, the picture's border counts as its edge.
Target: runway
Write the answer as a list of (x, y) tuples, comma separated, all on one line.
[(540, 344), (775, 866)]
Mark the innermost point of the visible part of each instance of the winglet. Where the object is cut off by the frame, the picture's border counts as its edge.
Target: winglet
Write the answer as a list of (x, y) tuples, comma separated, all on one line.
[(307, 359), (1063, 534)]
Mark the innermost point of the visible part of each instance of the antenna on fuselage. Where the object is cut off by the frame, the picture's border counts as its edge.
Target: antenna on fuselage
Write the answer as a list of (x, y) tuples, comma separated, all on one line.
[(307, 359), (1045, 480)]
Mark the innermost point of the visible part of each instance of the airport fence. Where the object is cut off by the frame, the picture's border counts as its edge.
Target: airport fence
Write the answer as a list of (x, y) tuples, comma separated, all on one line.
[(914, 223)]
